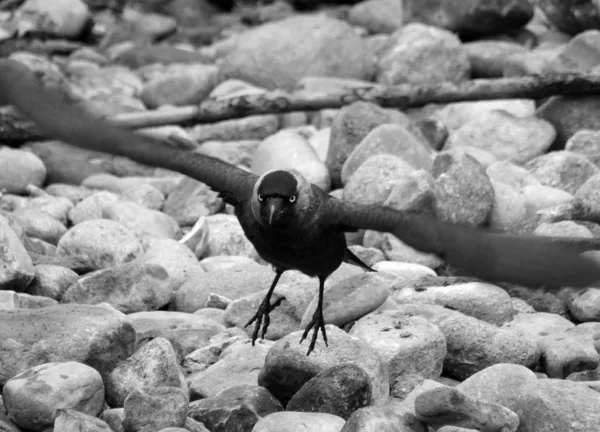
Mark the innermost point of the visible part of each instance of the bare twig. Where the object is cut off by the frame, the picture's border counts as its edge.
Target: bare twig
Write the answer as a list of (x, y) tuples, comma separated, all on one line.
[(404, 96)]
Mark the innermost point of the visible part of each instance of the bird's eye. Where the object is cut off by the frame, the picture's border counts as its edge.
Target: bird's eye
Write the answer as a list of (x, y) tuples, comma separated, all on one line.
[(293, 198), (260, 198)]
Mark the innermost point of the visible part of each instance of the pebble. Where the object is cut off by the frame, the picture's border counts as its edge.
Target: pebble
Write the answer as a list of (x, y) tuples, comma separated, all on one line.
[(537, 325), (287, 368), (483, 301), (185, 331), (406, 272), (290, 421), (377, 16), (464, 193), (419, 54), (389, 139), (398, 251), (415, 192), (51, 281), (539, 197), (584, 305), (391, 416), (16, 269), (226, 237), (569, 115), (562, 169), (509, 207), (153, 409), (238, 152), (349, 300), (569, 351), (256, 127), (266, 55), (487, 57), (19, 169), (223, 262), (73, 193), (236, 408), (98, 244), (142, 221), (447, 405), (113, 417), (92, 206), (563, 229), (190, 200), (373, 181), (401, 339), (472, 344), (349, 127), (154, 365), (68, 385), (61, 19), (73, 420), (130, 287), (339, 390), (288, 149), (180, 85), (511, 174), (585, 142)]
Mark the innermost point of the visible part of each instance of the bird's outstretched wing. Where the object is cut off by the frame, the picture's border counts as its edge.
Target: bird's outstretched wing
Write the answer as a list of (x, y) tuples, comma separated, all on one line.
[(526, 260), (58, 119)]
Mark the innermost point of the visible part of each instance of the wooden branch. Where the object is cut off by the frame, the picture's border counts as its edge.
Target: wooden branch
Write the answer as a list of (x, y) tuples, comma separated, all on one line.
[(403, 96)]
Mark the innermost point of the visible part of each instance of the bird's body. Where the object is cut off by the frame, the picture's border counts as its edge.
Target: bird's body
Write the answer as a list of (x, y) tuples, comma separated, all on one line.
[(294, 224)]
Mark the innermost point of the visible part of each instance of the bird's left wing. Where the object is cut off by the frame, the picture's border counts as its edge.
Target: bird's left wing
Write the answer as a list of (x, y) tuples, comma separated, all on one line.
[(526, 260), (59, 119)]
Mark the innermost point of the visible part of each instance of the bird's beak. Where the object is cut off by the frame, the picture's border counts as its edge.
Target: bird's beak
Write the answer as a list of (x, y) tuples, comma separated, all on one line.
[(274, 208)]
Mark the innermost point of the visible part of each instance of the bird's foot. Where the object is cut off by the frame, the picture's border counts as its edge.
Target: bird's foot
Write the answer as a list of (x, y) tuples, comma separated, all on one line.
[(262, 317), (317, 323)]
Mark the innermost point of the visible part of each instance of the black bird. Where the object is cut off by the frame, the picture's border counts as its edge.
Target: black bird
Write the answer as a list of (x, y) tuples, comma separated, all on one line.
[(295, 225)]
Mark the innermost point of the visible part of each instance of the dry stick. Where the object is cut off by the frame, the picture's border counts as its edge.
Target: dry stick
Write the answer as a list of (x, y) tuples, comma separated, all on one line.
[(403, 96)]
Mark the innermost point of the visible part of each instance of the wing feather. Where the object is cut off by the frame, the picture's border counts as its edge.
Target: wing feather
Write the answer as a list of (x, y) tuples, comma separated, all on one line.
[(526, 260), (58, 119)]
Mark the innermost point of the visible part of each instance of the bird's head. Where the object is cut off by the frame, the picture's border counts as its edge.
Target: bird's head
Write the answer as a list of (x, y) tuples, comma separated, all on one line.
[(279, 196)]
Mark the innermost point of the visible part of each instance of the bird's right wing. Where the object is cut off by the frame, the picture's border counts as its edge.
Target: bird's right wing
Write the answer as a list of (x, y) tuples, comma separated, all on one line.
[(526, 260), (61, 120)]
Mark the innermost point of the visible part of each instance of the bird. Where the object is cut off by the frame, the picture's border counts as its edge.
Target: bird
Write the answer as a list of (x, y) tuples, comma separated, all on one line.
[(295, 225)]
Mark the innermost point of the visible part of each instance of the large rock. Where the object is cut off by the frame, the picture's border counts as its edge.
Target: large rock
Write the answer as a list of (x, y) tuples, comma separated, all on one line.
[(270, 55), (98, 336)]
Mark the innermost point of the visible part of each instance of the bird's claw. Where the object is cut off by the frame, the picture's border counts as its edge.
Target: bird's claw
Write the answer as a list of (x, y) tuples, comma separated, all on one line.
[(262, 317), (318, 322)]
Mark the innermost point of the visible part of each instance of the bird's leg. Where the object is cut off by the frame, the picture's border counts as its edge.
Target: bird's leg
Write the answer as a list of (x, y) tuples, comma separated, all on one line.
[(318, 322), (264, 309)]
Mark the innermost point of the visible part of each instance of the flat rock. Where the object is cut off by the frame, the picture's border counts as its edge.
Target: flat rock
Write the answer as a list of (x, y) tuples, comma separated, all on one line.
[(484, 301), (401, 339), (349, 300), (236, 408), (186, 332), (98, 244), (98, 336), (448, 405), (238, 364), (287, 367), (129, 287), (154, 365)]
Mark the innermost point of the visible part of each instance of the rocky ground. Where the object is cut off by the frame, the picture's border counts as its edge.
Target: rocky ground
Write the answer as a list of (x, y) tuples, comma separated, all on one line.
[(124, 289)]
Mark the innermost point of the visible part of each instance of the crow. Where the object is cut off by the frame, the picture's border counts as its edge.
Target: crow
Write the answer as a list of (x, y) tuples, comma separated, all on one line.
[(293, 224)]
